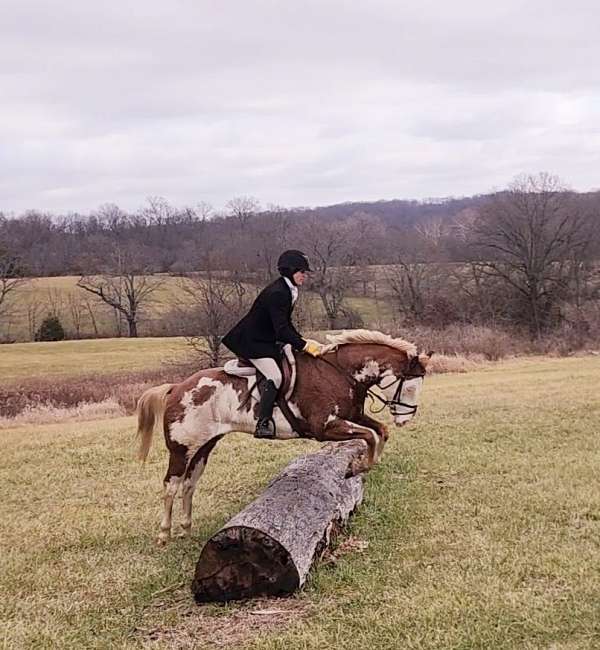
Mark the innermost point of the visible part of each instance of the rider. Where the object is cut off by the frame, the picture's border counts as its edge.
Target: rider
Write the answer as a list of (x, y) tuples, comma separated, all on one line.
[(255, 337)]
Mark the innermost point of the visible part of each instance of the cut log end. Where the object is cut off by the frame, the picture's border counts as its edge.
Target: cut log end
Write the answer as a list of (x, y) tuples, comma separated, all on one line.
[(269, 547), (240, 563)]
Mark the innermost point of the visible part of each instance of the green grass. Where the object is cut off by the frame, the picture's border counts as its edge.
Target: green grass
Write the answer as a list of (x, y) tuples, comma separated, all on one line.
[(86, 357), (483, 523)]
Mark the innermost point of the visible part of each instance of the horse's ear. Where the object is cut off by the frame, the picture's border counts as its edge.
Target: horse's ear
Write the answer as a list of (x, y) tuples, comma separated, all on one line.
[(424, 359)]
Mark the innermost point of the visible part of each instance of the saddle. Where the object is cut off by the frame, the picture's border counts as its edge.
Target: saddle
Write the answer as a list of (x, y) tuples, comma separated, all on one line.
[(243, 368)]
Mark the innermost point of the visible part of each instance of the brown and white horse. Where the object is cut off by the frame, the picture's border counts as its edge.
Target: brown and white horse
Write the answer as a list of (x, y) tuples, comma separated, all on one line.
[(328, 399)]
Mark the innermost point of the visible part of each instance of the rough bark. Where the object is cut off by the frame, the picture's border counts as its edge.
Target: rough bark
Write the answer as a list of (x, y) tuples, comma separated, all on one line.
[(269, 547)]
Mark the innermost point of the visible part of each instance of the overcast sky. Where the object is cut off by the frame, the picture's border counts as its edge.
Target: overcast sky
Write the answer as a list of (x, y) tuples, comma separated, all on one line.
[(292, 102)]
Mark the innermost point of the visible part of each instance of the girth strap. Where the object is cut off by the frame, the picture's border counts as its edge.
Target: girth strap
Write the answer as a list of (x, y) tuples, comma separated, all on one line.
[(299, 426)]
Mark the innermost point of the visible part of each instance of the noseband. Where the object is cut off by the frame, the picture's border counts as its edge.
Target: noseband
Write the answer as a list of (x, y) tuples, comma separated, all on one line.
[(395, 403)]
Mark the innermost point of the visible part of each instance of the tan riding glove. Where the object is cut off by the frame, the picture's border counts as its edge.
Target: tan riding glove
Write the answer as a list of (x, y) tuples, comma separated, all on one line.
[(313, 348)]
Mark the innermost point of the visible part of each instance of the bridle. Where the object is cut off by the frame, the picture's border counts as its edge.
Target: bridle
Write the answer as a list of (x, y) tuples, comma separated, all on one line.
[(393, 404)]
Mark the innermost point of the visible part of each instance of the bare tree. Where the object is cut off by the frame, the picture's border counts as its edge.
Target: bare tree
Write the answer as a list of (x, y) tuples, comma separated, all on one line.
[(90, 308), (11, 279), (33, 309), (211, 306), (270, 234), (127, 286), (76, 308), (531, 235), (243, 208), (419, 278), (331, 249)]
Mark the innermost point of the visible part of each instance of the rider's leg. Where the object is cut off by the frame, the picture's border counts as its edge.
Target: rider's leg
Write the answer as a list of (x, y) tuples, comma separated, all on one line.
[(265, 427)]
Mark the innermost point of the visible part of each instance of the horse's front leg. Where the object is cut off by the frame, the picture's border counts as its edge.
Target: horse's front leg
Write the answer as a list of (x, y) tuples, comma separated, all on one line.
[(381, 430), (339, 430)]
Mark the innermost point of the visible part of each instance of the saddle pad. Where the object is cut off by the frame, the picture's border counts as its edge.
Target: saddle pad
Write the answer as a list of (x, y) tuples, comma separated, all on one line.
[(232, 367)]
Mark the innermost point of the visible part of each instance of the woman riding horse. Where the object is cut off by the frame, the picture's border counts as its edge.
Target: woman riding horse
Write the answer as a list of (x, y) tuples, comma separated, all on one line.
[(268, 323)]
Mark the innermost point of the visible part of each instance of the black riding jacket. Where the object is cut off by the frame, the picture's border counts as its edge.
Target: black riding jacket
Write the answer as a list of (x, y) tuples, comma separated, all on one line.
[(267, 323)]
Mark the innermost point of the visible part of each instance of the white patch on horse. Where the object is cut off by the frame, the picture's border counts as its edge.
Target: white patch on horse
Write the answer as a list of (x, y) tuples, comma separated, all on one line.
[(330, 418), (360, 428), (370, 370), (172, 485), (192, 479), (219, 414)]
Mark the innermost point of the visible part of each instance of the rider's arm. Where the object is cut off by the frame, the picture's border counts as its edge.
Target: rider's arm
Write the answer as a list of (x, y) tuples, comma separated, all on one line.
[(284, 331)]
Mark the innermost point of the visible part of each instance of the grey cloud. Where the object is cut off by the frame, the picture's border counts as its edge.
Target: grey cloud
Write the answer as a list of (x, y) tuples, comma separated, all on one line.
[(296, 103)]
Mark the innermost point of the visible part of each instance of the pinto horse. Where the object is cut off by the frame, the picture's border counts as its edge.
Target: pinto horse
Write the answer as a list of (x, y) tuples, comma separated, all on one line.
[(328, 399)]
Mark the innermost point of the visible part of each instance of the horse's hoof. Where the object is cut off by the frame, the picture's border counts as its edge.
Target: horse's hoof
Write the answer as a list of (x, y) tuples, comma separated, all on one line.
[(162, 540), (354, 468), (358, 466)]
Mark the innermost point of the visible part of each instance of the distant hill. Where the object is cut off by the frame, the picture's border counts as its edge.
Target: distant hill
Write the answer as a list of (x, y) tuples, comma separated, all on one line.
[(398, 211)]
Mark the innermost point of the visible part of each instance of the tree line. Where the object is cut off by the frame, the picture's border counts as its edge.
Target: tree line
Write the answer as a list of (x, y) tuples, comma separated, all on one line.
[(525, 256)]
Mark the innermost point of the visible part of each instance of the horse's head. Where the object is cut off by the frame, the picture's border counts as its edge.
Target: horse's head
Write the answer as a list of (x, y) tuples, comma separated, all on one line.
[(401, 384), (393, 364)]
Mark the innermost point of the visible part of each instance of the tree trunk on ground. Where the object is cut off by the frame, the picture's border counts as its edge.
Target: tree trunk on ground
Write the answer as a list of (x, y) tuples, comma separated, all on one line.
[(269, 547)]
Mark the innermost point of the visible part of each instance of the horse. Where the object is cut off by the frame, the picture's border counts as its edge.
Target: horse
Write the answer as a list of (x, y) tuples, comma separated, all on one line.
[(328, 400)]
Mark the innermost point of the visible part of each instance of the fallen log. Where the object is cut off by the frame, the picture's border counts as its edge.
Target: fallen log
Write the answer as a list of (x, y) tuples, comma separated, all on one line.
[(268, 548)]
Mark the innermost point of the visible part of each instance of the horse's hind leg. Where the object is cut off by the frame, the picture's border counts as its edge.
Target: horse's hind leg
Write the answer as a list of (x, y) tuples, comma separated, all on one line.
[(193, 472), (172, 480)]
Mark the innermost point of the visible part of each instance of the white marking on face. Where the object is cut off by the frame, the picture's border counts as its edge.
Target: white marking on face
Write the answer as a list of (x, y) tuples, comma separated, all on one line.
[(411, 390), (370, 370)]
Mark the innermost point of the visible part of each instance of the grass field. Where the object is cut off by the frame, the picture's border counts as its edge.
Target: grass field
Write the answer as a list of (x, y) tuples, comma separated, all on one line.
[(482, 523), (85, 357)]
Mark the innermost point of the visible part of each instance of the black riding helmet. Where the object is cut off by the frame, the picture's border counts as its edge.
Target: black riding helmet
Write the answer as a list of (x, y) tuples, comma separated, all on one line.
[(291, 261)]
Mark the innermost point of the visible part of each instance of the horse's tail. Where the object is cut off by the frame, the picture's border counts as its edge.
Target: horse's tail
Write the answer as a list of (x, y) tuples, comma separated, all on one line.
[(150, 410)]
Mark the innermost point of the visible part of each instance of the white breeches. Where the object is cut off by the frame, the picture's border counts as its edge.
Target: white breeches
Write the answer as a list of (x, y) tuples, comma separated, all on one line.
[(269, 368)]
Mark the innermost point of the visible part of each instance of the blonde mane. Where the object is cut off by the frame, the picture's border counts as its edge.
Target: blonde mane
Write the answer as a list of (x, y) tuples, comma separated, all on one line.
[(368, 336)]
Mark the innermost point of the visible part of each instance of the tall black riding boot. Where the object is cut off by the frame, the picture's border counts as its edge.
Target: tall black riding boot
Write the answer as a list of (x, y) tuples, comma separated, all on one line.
[(265, 427)]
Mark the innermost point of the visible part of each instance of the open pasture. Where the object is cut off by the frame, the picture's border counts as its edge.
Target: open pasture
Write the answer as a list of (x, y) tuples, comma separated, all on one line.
[(482, 523), (86, 357)]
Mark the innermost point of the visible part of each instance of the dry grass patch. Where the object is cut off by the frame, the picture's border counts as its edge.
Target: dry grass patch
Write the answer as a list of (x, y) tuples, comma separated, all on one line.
[(442, 363), (217, 627), (82, 412)]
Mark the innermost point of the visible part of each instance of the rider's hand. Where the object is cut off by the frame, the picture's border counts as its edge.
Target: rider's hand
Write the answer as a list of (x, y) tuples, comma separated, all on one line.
[(313, 348)]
